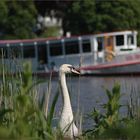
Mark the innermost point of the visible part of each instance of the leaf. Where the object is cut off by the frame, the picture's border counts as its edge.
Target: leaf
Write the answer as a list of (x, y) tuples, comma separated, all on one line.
[(3, 113), (108, 94), (52, 108)]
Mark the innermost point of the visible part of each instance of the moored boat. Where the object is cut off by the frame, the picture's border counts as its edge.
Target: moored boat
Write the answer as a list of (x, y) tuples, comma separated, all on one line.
[(103, 54)]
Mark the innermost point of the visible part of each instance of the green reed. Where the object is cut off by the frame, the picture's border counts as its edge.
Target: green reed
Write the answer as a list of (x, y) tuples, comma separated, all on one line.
[(21, 115), (24, 117)]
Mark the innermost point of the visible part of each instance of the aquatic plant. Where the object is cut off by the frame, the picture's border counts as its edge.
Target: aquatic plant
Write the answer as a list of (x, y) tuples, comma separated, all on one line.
[(110, 124), (21, 115), (103, 121)]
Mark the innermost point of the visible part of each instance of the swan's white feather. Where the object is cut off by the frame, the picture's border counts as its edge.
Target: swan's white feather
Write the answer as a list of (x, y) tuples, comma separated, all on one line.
[(67, 124)]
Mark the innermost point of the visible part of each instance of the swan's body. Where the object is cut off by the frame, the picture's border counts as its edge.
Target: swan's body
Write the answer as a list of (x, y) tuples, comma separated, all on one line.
[(67, 124)]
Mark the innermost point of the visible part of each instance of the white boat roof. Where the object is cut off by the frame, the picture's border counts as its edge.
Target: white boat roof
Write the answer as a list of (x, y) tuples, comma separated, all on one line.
[(115, 33)]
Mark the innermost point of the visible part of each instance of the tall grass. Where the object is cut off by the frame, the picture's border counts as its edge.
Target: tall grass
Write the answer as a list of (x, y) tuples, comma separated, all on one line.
[(21, 115), (24, 117)]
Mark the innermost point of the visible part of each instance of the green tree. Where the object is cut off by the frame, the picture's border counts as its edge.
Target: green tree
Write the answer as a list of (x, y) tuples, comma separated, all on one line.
[(117, 15), (91, 16), (80, 16), (17, 19)]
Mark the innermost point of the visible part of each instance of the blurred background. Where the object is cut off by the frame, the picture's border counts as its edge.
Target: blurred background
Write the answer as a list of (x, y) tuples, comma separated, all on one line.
[(23, 19)]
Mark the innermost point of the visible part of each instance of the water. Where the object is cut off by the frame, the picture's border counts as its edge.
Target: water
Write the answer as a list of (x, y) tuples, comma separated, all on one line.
[(89, 92)]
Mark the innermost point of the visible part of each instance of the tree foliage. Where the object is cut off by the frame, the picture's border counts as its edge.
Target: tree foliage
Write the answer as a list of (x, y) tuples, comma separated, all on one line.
[(80, 17), (17, 19), (93, 16)]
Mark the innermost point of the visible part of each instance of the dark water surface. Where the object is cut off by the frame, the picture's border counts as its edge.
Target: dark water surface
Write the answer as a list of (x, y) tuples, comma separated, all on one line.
[(89, 92)]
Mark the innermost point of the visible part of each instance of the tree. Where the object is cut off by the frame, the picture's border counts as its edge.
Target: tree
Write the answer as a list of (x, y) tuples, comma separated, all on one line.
[(117, 15), (80, 16), (17, 19), (93, 16)]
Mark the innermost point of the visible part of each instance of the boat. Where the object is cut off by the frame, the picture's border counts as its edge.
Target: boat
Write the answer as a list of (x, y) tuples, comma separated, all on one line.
[(112, 53)]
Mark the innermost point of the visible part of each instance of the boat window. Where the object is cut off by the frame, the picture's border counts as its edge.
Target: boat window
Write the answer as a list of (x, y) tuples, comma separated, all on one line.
[(15, 51), (100, 43), (42, 53), (28, 51), (130, 39), (119, 40), (72, 47), (86, 46), (4, 52), (56, 49)]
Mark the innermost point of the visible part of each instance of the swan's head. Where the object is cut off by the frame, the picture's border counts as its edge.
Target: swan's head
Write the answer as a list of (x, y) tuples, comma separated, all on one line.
[(67, 68)]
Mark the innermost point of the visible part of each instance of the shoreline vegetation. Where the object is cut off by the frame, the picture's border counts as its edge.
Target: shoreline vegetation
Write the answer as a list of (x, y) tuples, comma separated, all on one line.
[(24, 117)]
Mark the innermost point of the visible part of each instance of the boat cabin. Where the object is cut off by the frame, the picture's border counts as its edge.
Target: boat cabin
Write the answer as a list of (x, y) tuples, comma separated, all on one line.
[(49, 53)]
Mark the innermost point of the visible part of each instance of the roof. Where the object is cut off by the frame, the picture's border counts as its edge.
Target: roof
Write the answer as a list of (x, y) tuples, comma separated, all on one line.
[(39, 40)]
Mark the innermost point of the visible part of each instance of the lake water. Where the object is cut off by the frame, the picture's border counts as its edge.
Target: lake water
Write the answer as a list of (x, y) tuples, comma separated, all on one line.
[(89, 92)]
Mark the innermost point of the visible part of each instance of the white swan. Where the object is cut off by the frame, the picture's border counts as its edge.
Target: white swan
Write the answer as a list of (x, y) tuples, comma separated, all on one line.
[(67, 124)]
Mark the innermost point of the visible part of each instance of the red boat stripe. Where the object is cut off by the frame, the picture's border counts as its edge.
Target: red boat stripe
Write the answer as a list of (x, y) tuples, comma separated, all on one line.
[(103, 66)]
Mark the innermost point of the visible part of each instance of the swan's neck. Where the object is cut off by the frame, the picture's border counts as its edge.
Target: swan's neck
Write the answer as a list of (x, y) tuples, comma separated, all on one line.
[(67, 104), (67, 114)]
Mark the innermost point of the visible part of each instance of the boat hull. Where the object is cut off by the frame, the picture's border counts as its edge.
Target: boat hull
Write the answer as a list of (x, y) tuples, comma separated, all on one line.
[(119, 69), (126, 68)]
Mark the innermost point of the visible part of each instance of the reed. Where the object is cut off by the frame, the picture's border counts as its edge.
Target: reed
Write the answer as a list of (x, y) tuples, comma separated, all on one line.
[(24, 116), (21, 115)]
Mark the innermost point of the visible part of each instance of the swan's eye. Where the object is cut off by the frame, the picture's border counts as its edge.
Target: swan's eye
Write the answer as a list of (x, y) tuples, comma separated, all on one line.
[(71, 68)]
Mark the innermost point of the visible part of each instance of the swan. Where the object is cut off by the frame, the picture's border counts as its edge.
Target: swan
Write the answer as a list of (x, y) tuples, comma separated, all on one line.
[(66, 123)]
